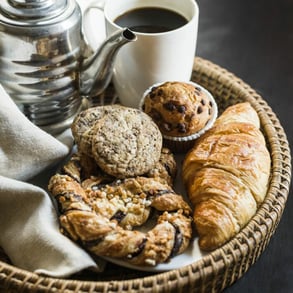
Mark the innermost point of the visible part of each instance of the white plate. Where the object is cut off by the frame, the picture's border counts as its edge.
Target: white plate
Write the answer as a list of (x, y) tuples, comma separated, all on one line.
[(192, 254)]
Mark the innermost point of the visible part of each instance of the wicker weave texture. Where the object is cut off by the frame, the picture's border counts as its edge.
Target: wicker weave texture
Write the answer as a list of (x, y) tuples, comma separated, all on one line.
[(218, 269)]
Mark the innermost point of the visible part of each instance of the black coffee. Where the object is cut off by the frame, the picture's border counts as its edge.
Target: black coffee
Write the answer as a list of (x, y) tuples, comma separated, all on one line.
[(151, 20)]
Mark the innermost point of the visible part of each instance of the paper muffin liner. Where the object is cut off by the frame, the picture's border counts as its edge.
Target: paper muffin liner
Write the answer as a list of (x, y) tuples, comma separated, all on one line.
[(181, 144)]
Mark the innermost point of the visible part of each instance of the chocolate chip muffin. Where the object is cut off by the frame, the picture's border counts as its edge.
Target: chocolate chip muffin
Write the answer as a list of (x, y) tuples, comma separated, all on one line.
[(182, 110), (178, 108)]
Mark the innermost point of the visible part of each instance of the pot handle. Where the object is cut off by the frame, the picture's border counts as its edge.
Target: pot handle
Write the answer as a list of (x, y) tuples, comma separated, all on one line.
[(92, 18)]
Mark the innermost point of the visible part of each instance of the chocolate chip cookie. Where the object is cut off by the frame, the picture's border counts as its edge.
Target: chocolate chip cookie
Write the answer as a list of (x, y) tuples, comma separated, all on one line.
[(83, 123), (126, 142)]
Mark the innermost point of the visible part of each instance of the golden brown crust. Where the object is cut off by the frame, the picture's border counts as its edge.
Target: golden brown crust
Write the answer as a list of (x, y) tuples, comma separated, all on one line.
[(223, 205), (241, 112), (101, 219), (226, 174)]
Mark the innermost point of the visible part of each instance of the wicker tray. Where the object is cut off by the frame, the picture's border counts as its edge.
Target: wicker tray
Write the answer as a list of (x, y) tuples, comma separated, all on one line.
[(218, 269)]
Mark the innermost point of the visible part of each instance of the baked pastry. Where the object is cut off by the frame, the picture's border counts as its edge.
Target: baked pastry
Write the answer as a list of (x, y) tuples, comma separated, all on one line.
[(123, 141), (165, 170), (126, 142), (83, 123), (85, 170), (240, 112), (226, 174), (101, 219), (178, 108), (182, 111), (101, 198)]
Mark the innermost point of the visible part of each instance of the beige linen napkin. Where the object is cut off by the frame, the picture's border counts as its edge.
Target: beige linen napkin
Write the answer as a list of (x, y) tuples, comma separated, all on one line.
[(29, 230)]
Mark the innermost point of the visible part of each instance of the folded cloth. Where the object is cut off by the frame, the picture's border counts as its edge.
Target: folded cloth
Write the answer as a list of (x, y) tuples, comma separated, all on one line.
[(29, 230), (25, 149)]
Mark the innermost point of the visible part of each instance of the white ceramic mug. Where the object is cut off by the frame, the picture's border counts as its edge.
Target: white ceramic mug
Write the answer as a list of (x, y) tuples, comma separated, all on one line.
[(154, 57)]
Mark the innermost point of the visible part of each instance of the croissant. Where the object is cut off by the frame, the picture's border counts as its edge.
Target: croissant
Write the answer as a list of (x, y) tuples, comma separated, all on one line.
[(226, 175)]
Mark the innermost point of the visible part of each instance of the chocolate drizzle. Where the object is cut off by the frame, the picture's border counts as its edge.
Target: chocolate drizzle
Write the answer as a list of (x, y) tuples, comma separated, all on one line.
[(69, 197), (139, 250), (92, 243), (118, 216), (154, 193), (178, 240)]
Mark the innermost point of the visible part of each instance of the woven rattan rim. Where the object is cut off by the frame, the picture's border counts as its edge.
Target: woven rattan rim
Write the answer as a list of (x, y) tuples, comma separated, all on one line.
[(222, 267)]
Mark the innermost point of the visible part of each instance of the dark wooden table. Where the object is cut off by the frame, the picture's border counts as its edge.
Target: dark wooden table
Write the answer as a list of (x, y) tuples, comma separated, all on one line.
[(254, 40)]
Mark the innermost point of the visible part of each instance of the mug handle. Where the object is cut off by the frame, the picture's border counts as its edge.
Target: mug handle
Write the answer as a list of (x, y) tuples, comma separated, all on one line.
[(91, 38)]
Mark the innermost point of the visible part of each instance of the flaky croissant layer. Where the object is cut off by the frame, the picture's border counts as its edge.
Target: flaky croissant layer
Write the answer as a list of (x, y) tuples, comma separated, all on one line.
[(226, 174)]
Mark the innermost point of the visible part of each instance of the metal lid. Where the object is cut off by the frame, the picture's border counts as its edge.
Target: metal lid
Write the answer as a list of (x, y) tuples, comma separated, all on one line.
[(28, 11)]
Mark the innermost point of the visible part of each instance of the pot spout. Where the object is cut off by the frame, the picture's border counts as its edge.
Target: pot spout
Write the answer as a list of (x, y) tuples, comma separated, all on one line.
[(96, 71)]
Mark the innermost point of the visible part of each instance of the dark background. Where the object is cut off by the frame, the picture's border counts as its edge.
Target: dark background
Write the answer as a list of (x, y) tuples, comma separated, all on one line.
[(254, 40)]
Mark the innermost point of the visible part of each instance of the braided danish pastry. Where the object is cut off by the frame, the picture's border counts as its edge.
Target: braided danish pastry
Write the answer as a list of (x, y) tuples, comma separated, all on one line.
[(101, 218)]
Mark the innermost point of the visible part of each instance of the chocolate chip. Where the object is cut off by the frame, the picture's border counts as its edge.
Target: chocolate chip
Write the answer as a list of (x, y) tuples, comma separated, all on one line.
[(168, 169), (203, 102), (160, 92), (155, 115), (169, 106), (199, 110), (181, 127), (152, 95), (181, 109), (198, 88), (118, 216)]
